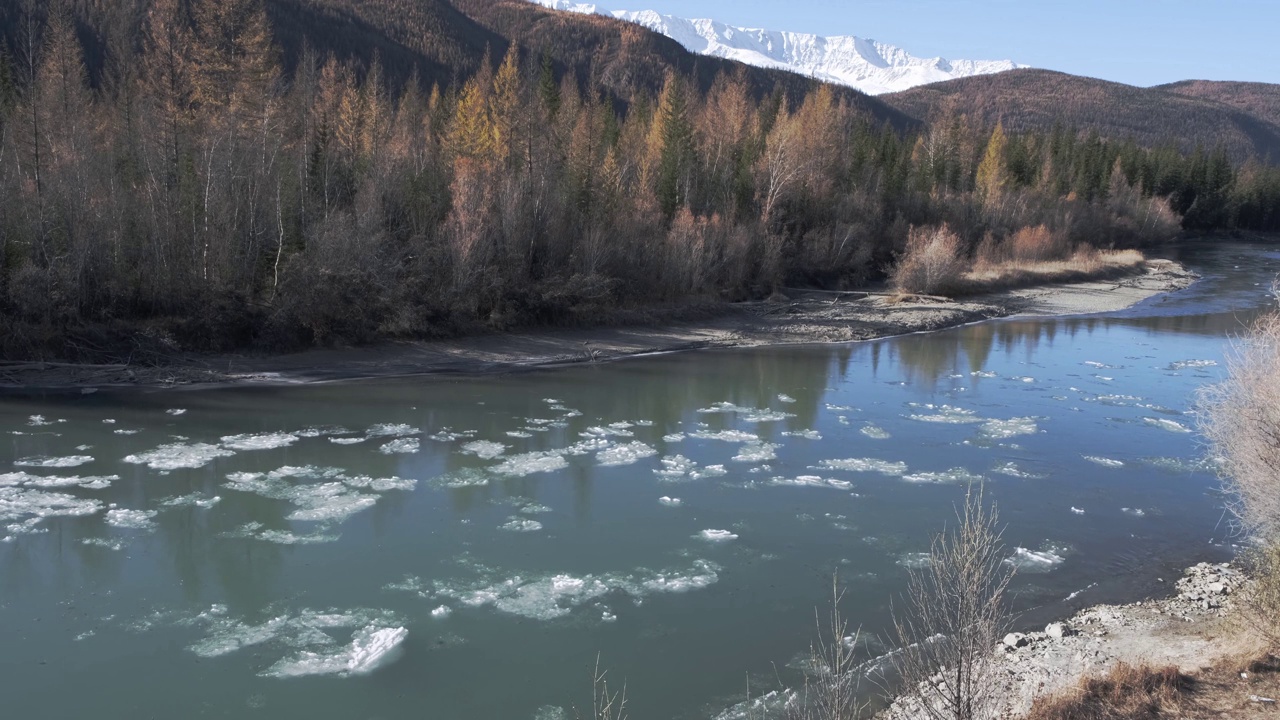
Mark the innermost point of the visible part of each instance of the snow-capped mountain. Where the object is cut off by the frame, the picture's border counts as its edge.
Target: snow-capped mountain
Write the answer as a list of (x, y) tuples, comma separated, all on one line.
[(872, 67)]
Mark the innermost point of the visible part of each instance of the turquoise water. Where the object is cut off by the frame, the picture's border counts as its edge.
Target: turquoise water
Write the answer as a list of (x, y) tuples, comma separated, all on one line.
[(467, 547)]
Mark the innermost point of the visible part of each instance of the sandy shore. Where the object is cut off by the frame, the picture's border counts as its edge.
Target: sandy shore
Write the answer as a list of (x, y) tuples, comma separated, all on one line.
[(804, 318)]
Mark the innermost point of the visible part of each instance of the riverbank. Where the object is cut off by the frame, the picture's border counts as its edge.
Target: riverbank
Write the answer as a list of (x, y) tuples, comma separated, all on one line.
[(800, 317), (1196, 630)]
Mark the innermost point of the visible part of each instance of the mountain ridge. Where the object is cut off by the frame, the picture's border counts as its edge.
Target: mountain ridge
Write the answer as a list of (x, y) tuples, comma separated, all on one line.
[(865, 64)]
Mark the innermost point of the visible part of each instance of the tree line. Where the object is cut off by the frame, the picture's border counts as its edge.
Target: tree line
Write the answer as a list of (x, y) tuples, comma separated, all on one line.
[(198, 197)]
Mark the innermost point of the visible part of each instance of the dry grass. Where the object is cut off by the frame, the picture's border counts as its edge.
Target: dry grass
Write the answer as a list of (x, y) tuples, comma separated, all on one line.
[(1084, 264), (1128, 692)]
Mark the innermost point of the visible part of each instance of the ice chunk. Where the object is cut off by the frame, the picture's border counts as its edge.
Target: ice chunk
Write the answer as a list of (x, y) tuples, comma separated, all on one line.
[(954, 475), (716, 535), (805, 434), (611, 431), (484, 449), (756, 452), (465, 477), (347, 440), (915, 560), (945, 414), (627, 454), (127, 432), (670, 501), (178, 456), (256, 531), (519, 524), (673, 437), (884, 467), (371, 647), (811, 481), (1005, 429), (531, 462), (1135, 512), (116, 545), (519, 434), (91, 482), (391, 430), (38, 421), (176, 411), (54, 462), (1165, 424), (1104, 462), (327, 502), (192, 500), (675, 466), (1012, 470), (31, 505), (874, 432), (1037, 561), (785, 398), (259, 441), (1191, 364), (400, 446), (1076, 510), (131, 519), (736, 436), (441, 612)]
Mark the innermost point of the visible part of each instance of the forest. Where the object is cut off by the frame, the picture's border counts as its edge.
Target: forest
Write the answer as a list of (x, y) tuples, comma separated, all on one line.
[(204, 190)]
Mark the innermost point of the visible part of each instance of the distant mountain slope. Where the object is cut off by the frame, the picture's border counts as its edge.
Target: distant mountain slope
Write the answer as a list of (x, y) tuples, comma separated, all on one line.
[(1261, 100), (1039, 99), (872, 67)]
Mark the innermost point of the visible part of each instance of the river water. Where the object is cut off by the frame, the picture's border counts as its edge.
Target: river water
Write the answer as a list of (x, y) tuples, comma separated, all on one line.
[(467, 547)]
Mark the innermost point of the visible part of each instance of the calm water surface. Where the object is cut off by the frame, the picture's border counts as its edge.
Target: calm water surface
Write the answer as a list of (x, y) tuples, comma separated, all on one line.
[(465, 548)]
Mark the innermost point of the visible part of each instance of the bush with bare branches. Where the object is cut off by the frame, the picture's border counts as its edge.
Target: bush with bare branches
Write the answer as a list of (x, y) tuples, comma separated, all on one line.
[(932, 263), (833, 692), (953, 617)]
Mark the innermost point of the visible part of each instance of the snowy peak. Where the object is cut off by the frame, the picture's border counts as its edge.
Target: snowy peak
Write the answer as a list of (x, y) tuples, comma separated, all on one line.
[(872, 67)]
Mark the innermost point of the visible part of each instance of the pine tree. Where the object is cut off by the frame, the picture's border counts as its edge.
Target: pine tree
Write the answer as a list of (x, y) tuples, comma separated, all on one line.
[(548, 88), (672, 136), (992, 173)]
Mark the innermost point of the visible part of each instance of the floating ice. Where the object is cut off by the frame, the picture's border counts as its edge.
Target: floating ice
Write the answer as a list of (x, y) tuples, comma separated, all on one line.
[(484, 449), (874, 432), (1104, 462), (519, 524), (983, 374), (116, 545), (334, 500), (38, 421), (392, 430), (519, 434), (716, 535), (192, 500), (441, 612), (259, 441), (347, 440), (463, 478), (371, 647), (915, 560), (313, 432), (954, 475), (1135, 512), (1076, 510), (1005, 429), (1191, 364), (531, 462), (884, 467), (127, 432), (400, 446), (1180, 465), (756, 452), (811, 481), (91, 482), (256, 531), (1024, 379), (1012, 470), (177, 456), (737, 436), (109, 421), (785, 398), (670, 501), (131, 519), (615, 430), (31, 505), (1037, 561), (805, 434), (625, 454), (1165, 424), (675, 466), (54, 462), (843, 420), (176, 411), (945, 414)]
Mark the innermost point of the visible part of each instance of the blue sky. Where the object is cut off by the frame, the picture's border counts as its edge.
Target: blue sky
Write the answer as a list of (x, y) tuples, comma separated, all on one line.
[(1140, 42)]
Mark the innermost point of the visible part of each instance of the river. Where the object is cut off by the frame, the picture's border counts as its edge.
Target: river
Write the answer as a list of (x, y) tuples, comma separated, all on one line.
[(466, 547)]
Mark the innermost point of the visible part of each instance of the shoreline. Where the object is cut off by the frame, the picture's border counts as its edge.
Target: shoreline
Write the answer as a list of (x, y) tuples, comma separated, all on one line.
[(810, 317)]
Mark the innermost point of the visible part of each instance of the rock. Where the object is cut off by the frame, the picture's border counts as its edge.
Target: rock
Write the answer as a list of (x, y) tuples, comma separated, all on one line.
[(1016, 640), (1217, 588), (1058, 630)]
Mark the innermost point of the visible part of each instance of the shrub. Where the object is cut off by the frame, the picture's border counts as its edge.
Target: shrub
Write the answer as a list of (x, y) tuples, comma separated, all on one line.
[(933, 262)]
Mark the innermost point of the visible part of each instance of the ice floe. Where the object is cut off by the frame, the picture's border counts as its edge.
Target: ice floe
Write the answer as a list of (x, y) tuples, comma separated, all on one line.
[(670, 501), (485, 449), (954, 475), (756, 452), (463, 478), (1191, 364), (1166, 424), (347, 440), (884, 467), (192, 500), (1037, 561), (1012, 470), (22, 508), (131, 519), (812, 481), (257, 531), (733, 436), (89, 482), (519, 524), (112, 544), (874, 432), (1005, 429), (945, 414), (393, 430), (804, 434), (400, 446), (785, 398), (370, 648), (259, 441), (716, 535), (1077, 511), (1135, 512), (335, 499), (54, 462), (626, 454), (441, 612), (1104, 462), (531, 462), (179, 456), (176, 411)]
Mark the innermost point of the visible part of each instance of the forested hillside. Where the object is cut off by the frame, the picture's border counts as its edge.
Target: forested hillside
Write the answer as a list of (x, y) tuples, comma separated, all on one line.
[(215, 174), (1039, 100)]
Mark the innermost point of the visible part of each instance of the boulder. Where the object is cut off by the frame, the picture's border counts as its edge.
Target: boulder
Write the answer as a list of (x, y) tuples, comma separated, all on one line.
[(1016, 640), (1058, 630)]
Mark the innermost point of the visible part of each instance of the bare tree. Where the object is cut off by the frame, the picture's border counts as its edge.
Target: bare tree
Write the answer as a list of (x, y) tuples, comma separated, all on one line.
[(833, 693), (953, 617), (604, 704)]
